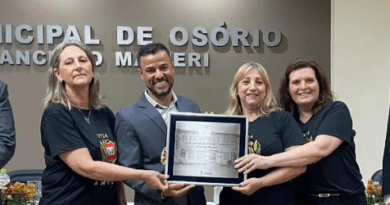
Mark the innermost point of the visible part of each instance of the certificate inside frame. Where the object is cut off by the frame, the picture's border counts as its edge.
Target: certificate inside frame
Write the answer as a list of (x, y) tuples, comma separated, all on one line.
[(202, 148)]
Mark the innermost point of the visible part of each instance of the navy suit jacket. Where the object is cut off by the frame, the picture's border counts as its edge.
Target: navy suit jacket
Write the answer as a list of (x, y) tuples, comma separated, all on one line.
[(141, 136), (386, 162), (7, 128)]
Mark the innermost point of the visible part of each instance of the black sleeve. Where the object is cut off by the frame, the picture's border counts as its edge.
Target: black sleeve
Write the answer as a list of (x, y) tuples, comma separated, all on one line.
[(60, 130), (291, 133), (337, 122), (111, 119)]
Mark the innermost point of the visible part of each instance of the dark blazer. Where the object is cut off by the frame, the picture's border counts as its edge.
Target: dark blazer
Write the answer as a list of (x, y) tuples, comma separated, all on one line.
[(141, 136), (386, 162), (7, 128)]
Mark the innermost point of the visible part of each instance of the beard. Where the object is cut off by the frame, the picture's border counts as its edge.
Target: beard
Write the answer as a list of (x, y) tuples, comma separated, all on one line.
[(161, 93)]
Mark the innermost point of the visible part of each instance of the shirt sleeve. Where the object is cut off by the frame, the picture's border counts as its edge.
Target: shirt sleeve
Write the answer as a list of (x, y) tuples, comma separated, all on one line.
[(7, 128), (337, 122), (111, 119), (291, 133), (60, 130)]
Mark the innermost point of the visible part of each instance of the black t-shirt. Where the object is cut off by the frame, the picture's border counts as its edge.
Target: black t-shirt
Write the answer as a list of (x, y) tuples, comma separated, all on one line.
[(274, 133), (339, 171), (64, 130)]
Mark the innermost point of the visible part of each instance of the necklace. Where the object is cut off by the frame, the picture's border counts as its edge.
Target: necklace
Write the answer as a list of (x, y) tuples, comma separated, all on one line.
[(87, 119)]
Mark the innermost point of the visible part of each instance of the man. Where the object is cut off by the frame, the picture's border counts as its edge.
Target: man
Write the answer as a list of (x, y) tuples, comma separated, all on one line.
[(7, 128), (141, 128)]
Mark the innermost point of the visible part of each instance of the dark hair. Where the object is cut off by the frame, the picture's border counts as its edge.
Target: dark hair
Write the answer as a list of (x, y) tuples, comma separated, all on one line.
[(325, 94), (151, 48)]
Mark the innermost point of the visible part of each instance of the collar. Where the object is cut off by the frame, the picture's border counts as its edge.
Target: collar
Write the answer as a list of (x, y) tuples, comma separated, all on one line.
[(155, 104)]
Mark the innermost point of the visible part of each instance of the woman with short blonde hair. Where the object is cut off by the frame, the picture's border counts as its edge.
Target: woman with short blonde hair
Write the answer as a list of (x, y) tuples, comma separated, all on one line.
[(271, 131), (269, 104)]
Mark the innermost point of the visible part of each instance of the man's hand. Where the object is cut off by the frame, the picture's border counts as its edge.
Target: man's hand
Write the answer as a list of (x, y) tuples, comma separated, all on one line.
[(176, 190), (155, 180), (249, 186), (251, 162)]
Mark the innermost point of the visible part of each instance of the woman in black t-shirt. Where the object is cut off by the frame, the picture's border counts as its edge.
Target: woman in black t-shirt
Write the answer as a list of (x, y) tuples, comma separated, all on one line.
[(77, 133), (333, 176), (271, 131)]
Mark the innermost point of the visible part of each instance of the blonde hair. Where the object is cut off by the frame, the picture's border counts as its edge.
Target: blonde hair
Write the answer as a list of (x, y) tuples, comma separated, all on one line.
[(269, 103), (56, 92)]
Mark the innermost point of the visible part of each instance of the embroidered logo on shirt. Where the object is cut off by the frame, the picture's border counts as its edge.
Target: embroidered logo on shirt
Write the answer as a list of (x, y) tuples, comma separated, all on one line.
[(254, 147), (108, 149), (307, 137)]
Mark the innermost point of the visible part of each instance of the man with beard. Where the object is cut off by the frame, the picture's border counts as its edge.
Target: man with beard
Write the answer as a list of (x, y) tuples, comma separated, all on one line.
[(141, 128)]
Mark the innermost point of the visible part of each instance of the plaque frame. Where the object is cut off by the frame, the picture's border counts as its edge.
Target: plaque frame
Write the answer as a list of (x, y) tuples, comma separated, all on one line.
[(208, 145)]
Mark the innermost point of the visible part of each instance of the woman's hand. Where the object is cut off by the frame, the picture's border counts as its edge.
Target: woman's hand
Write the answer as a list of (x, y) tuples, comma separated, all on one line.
[(249, 186), (251, 162), (155, 180), (176, 190)]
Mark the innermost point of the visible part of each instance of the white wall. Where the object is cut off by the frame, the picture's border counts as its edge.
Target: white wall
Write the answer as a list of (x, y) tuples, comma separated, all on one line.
[(361, 73)]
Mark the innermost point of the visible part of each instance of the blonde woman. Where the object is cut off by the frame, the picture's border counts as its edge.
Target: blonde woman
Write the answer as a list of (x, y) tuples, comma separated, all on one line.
[(271, 131), (77, 132)]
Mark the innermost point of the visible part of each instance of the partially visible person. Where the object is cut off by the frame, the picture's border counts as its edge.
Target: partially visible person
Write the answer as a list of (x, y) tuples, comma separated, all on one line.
[(271, 131), (141, 128), (7, 127), (386, 166), (77, 133), (333, 176)]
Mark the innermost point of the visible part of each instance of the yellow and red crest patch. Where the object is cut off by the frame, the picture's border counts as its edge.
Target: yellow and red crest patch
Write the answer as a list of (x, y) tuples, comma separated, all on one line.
[(109, 150)]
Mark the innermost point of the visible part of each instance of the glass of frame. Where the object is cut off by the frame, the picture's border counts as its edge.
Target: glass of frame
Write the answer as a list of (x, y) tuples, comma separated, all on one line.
[(202, 148)]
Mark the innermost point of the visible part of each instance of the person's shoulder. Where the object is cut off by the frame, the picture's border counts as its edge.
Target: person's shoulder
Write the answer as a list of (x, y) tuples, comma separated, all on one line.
[(186, 99), (338, 104), (335, 105), (190, 105), (280, 114), (129, 110), (55, 110), (106, 110), (2, 84), (182, 97)]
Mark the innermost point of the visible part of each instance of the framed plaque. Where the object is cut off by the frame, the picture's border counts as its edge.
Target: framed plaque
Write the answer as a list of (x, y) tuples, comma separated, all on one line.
[(202, 148)]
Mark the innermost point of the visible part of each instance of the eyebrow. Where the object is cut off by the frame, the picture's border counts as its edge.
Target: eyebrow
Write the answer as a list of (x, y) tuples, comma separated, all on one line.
[(149, 67)]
